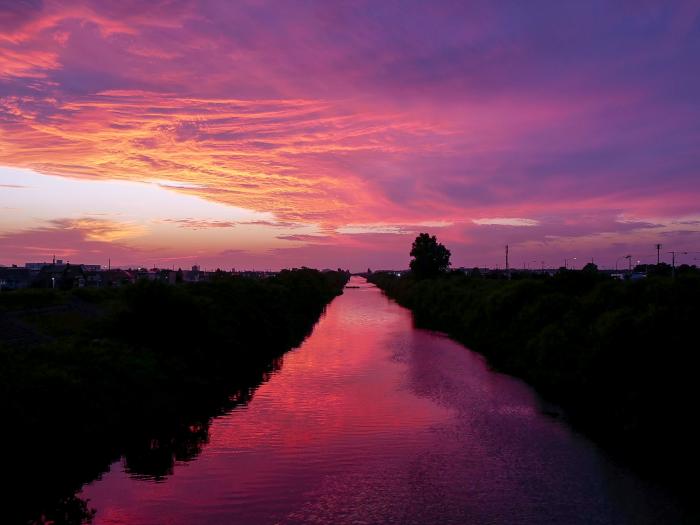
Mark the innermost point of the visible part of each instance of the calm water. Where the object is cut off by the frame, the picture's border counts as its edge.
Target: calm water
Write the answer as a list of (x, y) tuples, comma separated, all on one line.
[(374, 421)]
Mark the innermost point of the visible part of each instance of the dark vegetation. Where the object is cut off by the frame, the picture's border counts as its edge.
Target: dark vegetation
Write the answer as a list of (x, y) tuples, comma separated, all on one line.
[(430, 258), (620, 356), (87, 376)]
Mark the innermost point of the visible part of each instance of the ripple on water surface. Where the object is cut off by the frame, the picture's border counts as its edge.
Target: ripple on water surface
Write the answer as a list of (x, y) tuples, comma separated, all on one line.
[(373, 421)]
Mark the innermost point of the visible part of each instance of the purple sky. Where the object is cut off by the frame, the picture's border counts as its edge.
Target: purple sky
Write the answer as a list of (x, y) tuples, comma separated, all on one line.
[(242, 134)]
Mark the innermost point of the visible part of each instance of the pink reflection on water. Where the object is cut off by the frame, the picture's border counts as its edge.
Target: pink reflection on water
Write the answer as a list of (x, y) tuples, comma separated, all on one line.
[(339, 401), (374, 421)]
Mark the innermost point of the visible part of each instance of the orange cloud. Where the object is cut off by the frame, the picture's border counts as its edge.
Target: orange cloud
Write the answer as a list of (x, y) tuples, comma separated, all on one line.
[(29, 64), (360, 120), (199, 224), (278, 156), (100, 230), (85, 240)]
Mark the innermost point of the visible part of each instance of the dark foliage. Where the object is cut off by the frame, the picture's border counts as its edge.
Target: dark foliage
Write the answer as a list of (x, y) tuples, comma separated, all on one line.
[(620, 356), (91, 374), (430, 258)]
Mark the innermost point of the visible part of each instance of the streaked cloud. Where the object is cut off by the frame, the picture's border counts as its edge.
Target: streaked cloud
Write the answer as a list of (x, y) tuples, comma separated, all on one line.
[(353, 123), (506, 221), (373, 228), (199, 224), (95, 229), (307, 238)]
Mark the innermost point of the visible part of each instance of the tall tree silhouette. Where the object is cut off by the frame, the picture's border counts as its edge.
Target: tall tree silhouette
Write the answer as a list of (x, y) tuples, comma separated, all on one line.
[(429, 256)]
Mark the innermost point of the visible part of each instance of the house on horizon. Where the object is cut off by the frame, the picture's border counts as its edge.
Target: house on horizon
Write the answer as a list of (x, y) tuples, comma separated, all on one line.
[(14, 278), (62, 276), (116, 277)]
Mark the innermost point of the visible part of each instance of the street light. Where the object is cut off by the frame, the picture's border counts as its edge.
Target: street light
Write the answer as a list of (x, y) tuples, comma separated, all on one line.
[(566, 260), (618, 260)]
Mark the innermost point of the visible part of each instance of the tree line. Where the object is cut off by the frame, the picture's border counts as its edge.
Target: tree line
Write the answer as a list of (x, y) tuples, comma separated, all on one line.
[(620, 356), (89, 375)]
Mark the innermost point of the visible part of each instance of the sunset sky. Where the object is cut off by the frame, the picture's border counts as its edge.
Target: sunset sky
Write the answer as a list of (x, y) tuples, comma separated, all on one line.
[(328, 134)]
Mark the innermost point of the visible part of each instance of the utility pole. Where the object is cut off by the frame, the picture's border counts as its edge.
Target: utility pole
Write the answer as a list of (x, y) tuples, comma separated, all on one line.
[(673, 262), (658, 254), (629, 259), (673, 265), (566, 263), (507, 267)]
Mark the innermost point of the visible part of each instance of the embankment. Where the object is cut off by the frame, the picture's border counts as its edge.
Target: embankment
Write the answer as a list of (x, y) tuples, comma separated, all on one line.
[(87, 376), (620, 357)]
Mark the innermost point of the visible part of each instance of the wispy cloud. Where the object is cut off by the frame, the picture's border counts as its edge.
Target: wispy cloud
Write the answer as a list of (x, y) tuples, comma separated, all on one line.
[(307, 238), (366, 120), (85, 240), (506, 221), (199, 224), (102, 230)]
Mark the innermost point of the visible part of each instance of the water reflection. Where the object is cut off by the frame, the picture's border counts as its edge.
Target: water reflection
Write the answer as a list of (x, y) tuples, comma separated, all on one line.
[(152, 457), (148, 453), (374, 421)]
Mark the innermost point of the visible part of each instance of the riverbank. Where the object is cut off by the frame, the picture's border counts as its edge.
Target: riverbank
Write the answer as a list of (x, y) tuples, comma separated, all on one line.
[(90, 375), (371, 420), (620, 357)]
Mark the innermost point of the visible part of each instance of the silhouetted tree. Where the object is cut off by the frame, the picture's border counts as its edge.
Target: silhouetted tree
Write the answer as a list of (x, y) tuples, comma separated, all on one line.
[(121, 377), (660, 269), (686, 268), (429, 256), (590, 268), (614, 353)]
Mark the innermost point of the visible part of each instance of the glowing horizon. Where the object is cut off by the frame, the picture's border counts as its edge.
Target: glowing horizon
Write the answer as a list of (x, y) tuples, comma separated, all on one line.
[(328, 134)]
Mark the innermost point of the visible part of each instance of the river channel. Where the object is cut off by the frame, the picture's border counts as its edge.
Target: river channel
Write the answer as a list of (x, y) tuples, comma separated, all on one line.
[(372, 420)]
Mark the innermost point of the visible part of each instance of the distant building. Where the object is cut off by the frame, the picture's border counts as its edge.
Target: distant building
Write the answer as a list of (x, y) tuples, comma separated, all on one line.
[(63, 276), (93, 279), (15, 278), (117, 277), (142, 274), (193, 275), (167, 276), (254, 274), (59, 262), (36, 265), (397, 273)]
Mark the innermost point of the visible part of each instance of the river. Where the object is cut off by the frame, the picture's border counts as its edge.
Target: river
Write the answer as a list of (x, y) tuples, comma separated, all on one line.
[(372, 421)]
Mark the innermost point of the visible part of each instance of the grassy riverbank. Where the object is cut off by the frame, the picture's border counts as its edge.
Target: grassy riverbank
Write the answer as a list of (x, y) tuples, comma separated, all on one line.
[(621, 357), (89, 375)]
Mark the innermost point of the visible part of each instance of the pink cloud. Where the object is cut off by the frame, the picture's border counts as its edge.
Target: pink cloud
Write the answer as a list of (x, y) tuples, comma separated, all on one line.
[(329, 116), (199, 224), (88, 241)]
